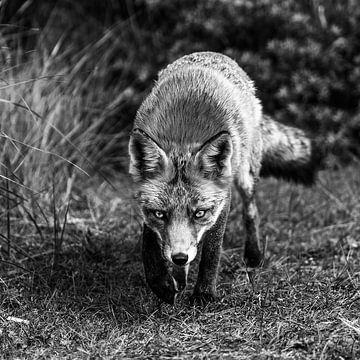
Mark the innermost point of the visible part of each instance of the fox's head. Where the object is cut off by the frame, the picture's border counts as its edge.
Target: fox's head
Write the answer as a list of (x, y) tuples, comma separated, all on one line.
[(180, 193)]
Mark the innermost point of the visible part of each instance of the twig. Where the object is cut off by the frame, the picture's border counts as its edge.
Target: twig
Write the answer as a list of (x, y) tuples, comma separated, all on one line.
[(32, 219), (16, 247), (56, 245), (350, 325), (64, 224), (15, 265), (8, 225)]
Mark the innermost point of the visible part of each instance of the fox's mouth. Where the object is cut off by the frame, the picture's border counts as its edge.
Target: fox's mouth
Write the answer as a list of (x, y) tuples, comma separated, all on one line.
[(179, 275), (180, 258)]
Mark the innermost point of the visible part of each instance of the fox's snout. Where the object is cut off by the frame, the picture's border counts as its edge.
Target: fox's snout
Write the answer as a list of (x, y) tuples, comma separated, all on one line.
[(181, 244), (180, 257), (180, 253)]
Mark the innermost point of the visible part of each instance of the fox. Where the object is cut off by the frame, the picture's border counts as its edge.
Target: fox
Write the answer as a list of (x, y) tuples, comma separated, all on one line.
[(199, 135)]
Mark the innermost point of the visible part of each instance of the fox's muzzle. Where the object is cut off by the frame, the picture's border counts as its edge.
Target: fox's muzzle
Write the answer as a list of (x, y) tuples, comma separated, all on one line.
[(180, 248)]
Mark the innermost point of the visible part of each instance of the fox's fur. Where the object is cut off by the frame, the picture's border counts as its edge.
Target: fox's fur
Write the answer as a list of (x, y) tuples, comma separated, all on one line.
[(200, 130)]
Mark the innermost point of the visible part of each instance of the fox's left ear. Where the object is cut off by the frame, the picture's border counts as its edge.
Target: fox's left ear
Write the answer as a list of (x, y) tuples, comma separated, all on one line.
[(147, 159), (214, 157)]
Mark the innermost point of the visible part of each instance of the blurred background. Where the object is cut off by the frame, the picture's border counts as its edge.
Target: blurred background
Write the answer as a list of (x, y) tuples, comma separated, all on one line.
[(73, 73)]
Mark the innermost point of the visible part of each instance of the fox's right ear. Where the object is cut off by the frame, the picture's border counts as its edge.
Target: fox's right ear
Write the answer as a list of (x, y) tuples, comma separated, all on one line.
[(147, 159)]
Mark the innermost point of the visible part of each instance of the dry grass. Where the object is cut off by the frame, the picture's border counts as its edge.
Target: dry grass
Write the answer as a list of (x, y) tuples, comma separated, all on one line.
[(60, 112), (303, 304), (57, 127)]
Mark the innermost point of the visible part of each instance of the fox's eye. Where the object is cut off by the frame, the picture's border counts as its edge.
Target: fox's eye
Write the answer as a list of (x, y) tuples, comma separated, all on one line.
[(199, 214), (159, 214)]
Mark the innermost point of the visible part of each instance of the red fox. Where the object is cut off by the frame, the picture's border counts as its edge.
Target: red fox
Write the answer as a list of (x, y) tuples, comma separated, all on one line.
[(199, 131)]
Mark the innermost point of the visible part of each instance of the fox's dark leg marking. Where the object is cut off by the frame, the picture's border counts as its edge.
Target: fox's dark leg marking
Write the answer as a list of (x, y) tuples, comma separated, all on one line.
[(251, 220), (156, 268), (205, 288)]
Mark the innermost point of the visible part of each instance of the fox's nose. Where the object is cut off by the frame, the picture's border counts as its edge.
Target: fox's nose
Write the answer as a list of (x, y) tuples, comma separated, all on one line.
[(179, 259)]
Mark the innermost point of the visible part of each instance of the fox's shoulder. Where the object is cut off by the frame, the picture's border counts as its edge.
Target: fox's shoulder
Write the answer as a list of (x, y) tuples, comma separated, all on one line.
[(215, 62)]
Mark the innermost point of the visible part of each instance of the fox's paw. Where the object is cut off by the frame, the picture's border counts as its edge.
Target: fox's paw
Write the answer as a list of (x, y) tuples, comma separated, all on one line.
[(253, 257), (164, 288), (203, 297)]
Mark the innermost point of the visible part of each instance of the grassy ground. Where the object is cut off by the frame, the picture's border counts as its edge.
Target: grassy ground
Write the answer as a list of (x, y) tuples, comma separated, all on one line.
[(304, 303)]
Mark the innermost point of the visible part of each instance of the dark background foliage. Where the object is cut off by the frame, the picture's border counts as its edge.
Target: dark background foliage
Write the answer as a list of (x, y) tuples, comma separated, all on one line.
[(303, 55)]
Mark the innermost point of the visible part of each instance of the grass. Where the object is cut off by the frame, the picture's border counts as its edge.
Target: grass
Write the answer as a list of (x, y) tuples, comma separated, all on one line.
[(302, 304)]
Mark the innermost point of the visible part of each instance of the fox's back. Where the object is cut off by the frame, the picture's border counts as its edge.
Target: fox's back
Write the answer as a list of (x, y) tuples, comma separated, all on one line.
[(195, 98), (217, 63)]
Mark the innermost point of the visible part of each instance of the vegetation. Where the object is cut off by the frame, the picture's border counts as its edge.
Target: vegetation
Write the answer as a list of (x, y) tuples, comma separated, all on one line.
[(71, 280)]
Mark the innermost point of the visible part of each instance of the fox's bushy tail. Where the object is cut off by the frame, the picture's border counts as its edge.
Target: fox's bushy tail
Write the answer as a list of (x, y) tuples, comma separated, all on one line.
[(289, 153)]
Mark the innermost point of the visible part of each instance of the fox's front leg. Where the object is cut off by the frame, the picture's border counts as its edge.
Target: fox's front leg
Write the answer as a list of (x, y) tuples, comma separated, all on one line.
[(205, 288), (156, 268)]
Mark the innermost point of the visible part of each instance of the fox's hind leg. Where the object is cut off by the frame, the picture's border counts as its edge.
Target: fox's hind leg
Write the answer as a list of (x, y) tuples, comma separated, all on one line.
[(246, 184)]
